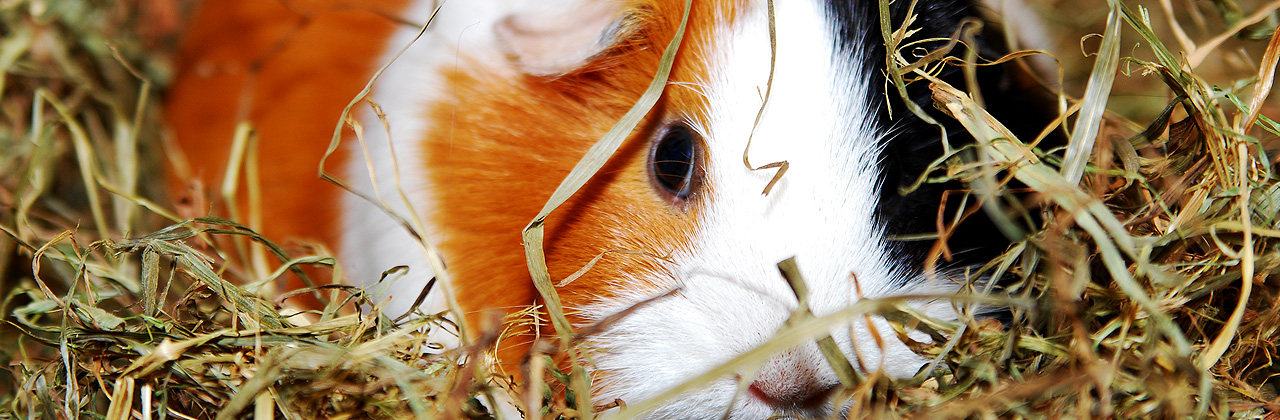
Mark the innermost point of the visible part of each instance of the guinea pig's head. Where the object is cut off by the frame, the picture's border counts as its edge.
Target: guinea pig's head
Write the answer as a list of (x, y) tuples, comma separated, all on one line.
[(680, 211)]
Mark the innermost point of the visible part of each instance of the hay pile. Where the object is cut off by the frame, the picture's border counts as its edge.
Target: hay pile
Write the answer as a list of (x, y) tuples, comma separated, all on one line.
[(116, 307), (1149, 291)]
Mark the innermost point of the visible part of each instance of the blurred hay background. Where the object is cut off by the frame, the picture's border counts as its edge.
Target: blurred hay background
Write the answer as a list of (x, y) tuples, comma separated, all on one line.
[(116, 307)]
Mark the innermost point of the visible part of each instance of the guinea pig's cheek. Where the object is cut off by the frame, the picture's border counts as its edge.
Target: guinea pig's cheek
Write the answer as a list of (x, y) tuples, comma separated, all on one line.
[(704, 324)]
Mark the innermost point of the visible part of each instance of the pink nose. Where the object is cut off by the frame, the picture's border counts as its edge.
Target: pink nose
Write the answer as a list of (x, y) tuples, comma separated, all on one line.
[(791, 396), (794, 381)]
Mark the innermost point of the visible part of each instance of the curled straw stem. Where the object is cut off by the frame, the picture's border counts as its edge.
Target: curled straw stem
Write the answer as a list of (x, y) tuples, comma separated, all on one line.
[(782, 166), (1219, 346)]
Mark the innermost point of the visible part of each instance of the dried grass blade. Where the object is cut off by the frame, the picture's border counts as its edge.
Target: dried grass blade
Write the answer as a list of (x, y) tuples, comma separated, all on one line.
[(150, 281), (84, 157), (835, 358), (1085, 130), (894, 63), (121, 399), (15, 44), (1178, 32), (1195, 58), (264, 406), (127, 132), (243, 141), (1266, 77), (291, 264), (35, 267)]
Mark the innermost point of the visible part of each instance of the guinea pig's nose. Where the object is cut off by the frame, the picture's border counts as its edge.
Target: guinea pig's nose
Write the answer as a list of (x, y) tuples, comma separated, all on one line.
[(792, 382)]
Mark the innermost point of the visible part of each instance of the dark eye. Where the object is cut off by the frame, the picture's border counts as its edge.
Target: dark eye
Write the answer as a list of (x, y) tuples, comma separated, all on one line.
[(674, 157)]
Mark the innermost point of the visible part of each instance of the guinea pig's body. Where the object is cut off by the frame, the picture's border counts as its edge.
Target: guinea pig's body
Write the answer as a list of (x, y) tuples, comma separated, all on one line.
[(498, 100)]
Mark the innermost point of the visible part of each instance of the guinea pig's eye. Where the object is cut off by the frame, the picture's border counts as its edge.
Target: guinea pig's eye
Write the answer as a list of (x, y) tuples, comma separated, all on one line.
[(673, 162)]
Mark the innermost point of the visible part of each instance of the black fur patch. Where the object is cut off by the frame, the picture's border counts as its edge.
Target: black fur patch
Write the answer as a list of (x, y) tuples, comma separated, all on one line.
[(915, 143)]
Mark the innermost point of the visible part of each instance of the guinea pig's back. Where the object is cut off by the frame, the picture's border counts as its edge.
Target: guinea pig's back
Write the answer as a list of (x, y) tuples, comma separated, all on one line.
[(287, 69)]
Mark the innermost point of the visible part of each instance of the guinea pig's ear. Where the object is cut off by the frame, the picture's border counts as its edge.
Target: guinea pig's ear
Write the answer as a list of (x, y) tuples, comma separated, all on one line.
[(558, 37)]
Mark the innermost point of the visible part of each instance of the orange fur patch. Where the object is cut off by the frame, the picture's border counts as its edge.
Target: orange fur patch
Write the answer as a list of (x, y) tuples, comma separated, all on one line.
[(499, 146), (289, 68)]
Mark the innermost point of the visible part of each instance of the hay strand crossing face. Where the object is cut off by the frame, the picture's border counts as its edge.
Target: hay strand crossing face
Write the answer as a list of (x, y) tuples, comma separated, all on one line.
[(492, 107)]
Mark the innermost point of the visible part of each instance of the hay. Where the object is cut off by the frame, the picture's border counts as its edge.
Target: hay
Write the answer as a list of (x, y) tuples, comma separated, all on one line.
[(1129, 301)]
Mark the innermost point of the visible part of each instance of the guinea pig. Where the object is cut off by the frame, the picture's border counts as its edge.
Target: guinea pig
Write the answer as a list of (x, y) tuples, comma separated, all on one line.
[(483, 115)]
